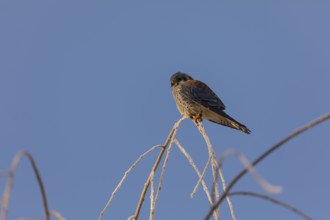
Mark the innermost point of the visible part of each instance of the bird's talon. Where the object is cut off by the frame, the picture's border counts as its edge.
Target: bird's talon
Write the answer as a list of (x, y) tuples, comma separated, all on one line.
[(197, 119)]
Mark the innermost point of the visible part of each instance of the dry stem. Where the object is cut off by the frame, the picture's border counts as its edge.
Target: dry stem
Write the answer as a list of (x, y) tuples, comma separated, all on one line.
[(263, 156), (215, 168), (124, 177), (57, 215), (154, 168), (152, 198), (268, 198), (192, 163), (152, 213), (10, 183), (257, 177), (200, 178), (212, 159)]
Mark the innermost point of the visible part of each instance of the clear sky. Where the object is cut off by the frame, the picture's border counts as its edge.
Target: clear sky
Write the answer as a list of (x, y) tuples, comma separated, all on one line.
[(84, 87)]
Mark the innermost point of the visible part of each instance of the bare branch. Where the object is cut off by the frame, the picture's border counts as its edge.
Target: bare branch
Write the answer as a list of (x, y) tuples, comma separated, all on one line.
[(152, 198), (154, 168), (124, 177), (247, 165), (201, 177), (264, 155), (212, 159), (215, 168), (161, 178), (270, 199), (10, 183), (192, 163), (57, 215)]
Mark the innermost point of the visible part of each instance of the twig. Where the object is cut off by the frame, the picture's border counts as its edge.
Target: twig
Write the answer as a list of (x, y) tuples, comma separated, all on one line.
[(57, 215), (10, 183), (212, 158), (215, 168), (257, 177), (154, 168), (264, 155), (192, 163), (230, 204), (124, 177), (201, 177), (161, 178), (152, 198), (268, 198)]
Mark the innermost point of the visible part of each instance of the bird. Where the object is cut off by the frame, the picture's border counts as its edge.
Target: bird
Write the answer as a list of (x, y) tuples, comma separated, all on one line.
[(194, 99)]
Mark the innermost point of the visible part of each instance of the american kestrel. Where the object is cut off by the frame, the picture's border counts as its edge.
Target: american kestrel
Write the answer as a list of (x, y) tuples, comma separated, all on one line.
[(197, 101)]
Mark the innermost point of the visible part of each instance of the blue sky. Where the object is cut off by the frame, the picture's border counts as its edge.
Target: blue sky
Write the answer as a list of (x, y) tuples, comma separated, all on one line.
[(84, 87)]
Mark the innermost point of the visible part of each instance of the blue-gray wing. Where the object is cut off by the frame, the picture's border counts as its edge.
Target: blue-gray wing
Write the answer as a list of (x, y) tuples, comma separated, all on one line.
[(202, 94)]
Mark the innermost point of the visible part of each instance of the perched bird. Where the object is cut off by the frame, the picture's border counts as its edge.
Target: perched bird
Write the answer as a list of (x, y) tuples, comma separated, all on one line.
[(197, 101)]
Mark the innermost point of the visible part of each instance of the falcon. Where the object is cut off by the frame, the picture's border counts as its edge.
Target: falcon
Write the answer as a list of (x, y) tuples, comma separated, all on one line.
[(197, 101)]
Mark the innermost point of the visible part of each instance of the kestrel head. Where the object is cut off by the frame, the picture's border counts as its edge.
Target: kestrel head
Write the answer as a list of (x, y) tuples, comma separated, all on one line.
[(178, 78)]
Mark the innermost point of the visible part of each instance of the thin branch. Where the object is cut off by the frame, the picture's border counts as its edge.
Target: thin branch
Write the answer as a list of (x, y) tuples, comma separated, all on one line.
[(201, 177), (192, 163), (230, 204), (124, 177), (212, 159), (215, 168), (10, 183), (270, 199), (57, 215), (152, 198), (161, 178), (264, 155), (251, 169), (154, 168)]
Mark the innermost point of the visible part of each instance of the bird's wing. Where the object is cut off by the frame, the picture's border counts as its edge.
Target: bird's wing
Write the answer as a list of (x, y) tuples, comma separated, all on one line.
[(202, 94)]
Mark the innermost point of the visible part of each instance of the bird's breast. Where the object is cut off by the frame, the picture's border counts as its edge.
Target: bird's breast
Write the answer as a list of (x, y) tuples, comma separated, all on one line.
[(185, 105)]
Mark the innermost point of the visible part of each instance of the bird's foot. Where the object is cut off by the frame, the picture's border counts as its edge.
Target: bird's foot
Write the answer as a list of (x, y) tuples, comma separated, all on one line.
[(197, 119)]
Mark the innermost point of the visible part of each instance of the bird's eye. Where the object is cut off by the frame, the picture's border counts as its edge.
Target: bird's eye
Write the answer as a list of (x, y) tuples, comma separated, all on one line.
[(179, 79)]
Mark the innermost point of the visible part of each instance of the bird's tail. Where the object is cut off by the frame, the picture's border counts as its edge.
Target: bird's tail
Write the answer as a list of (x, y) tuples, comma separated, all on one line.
[(228, 121)]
